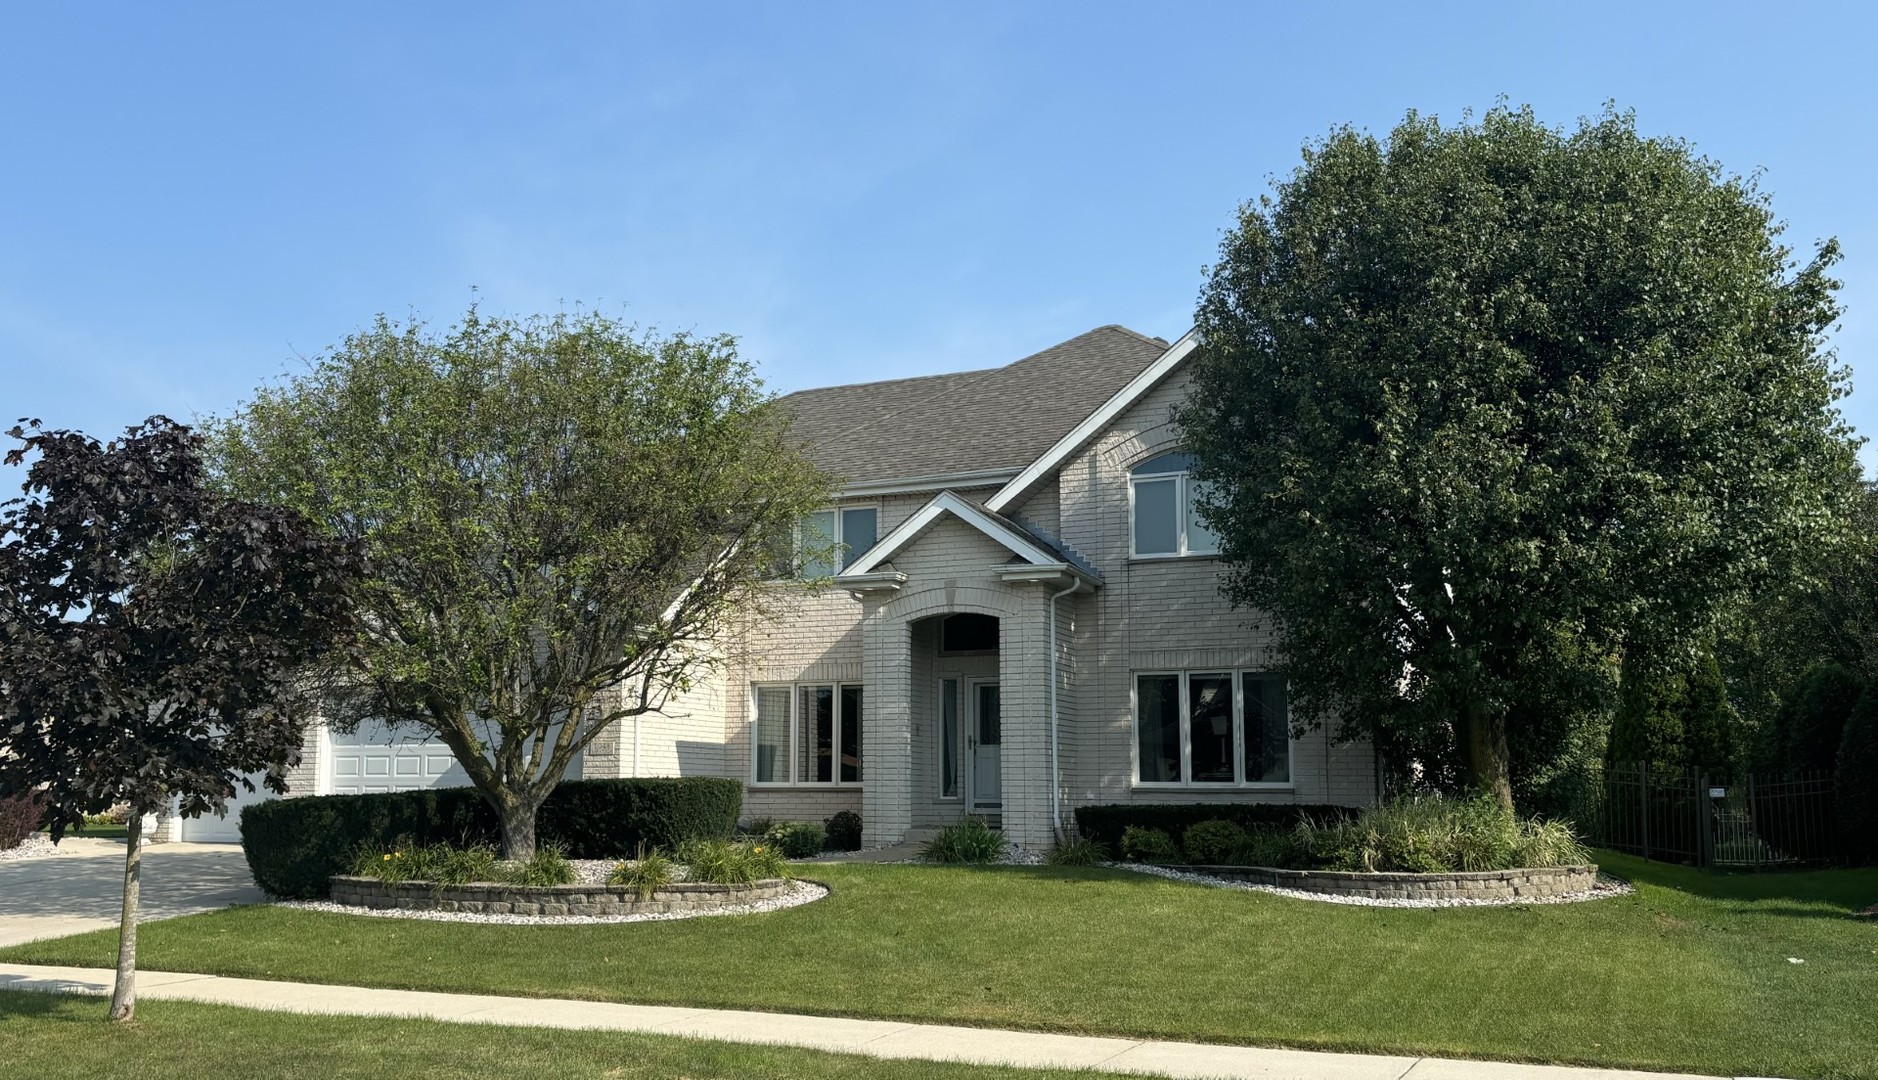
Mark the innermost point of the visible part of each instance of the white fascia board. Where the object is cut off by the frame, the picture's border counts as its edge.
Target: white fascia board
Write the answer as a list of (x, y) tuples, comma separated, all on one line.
[(945, 503), (1096, 422), (913, 485), (1049, 573)]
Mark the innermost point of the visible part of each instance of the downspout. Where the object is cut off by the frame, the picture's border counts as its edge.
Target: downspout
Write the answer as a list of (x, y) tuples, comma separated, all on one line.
[(1056, 781)]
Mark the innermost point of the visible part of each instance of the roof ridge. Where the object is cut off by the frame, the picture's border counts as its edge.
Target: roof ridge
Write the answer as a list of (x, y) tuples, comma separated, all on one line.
[(1149, 339), (886, 382), (977, 376)]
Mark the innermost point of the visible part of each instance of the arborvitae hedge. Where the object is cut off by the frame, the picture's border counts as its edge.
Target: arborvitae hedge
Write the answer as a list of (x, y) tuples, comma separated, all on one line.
[(294, 845)]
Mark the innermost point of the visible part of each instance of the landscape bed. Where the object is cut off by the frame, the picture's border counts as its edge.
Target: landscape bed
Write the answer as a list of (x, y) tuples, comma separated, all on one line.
[(592, 900), (1545, 882)]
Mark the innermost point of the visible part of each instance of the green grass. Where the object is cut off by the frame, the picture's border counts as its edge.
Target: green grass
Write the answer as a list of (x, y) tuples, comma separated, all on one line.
[(53, 1037), (1691, 973)]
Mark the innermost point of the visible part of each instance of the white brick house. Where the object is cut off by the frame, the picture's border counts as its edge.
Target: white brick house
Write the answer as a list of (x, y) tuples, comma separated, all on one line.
[(986, 514)]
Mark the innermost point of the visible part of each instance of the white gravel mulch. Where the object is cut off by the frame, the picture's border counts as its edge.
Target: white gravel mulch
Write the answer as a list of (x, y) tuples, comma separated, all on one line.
[(591, 872), (33, 847), (1604, 888)]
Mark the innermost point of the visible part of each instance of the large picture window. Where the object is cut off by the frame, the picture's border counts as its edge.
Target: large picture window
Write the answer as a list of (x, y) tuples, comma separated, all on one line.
[(806, 733), (828, 540), (1211, 729), (1166, 520)]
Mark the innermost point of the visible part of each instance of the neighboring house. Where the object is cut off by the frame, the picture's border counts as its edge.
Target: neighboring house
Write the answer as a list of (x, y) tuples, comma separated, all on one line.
[(1024, 617)]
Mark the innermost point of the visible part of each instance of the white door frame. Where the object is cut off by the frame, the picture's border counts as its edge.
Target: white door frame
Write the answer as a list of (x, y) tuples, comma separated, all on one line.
[(971, 686)]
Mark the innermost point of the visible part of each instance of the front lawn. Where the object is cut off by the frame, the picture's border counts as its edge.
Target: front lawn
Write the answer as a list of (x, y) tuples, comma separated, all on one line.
[(52, 1037), (1692, 973)]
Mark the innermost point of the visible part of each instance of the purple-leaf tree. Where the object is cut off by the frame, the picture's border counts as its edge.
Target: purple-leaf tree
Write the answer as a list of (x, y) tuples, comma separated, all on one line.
[(159, 642)]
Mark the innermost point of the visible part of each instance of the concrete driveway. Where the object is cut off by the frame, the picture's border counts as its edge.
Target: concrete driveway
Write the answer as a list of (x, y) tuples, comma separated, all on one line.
[(81, 888)]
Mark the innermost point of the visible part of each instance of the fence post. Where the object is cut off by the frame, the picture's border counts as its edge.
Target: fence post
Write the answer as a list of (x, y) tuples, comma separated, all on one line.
[(1754, 827), (1705, 821), (1643, 797)]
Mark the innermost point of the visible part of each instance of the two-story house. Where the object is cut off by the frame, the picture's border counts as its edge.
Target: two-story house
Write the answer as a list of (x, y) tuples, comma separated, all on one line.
[(1023, 617)]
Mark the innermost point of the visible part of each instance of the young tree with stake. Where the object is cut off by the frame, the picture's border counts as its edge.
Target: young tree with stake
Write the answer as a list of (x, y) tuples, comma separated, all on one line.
[(158, 640)]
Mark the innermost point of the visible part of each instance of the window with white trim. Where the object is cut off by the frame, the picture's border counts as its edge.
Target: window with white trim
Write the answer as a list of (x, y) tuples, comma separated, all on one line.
[(828, 540), (1163, 500), (1211, 729), (805, 733)]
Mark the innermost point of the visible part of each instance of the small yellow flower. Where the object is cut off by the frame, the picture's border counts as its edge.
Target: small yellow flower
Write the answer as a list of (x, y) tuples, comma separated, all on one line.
[(759, 849), (387, 858)]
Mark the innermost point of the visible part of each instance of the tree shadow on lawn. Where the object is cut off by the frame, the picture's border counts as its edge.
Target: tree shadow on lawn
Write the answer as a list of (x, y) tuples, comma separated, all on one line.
[(41, 1003), (1831, 894)]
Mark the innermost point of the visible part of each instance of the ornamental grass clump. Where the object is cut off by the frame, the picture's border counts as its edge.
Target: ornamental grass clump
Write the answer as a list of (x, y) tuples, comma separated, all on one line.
[(1076, 851), (969, 842), (547, 866), (724, 862), (1430, 834), (651, 871)]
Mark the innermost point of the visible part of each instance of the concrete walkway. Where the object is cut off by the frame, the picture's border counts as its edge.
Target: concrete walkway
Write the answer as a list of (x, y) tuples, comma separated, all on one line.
[(82, 887), (874, 1038)]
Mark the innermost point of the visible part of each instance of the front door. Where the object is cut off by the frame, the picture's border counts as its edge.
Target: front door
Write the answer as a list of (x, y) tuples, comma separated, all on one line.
[(987, 739)]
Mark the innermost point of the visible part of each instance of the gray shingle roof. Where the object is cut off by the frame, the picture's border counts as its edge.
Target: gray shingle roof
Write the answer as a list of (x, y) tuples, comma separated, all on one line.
[(996, 418)]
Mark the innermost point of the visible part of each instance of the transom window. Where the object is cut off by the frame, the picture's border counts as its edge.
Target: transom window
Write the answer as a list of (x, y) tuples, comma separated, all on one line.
[(1211, 728), (1164, 497), (806, 733), (828, 540)]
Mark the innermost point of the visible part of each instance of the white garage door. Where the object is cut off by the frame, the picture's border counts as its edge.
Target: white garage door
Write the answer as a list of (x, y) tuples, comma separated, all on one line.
[(209, 829), (375, 759)]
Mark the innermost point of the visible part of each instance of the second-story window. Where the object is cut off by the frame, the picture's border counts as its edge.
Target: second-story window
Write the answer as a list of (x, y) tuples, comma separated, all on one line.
[(1164, 496), (831, 539)]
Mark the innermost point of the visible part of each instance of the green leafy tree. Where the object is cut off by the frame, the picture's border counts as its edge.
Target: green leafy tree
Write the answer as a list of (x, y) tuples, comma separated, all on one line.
[(1480, 405), (158, 641), (561, 516)]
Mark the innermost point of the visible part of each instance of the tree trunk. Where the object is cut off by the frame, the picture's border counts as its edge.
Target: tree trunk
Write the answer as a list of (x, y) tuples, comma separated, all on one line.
[(1489, 764), (518, 829), (124, 994)]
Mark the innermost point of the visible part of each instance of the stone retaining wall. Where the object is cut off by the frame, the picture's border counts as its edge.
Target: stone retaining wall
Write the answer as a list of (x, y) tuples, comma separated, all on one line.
[(1477, 885), (495, 899)]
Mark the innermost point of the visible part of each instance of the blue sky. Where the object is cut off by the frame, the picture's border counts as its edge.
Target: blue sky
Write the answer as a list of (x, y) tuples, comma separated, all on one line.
[(192, 196)]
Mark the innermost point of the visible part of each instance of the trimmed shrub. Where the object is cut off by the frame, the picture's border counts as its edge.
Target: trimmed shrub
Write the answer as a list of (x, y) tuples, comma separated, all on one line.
[(19, 818), (294, 845), (1148, 845), (1855, 784), (844, 831), (796, 839), (1077, 851), (1212, 842), (1104, 824), (970, 841), (609, 819), (1268, 847)]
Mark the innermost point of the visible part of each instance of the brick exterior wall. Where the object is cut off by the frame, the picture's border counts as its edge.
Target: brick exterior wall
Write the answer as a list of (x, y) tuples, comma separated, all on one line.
[(1148, 615)]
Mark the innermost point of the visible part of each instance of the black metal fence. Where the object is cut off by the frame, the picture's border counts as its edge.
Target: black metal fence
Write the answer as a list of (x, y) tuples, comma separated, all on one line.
[(1684, 816)]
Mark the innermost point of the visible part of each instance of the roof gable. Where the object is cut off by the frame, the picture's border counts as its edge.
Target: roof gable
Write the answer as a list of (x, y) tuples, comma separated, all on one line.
[(1096, 422), (1006, 533)]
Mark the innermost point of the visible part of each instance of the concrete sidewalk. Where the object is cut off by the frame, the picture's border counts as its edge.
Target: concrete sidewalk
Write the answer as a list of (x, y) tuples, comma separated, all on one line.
[(874, 1038)]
